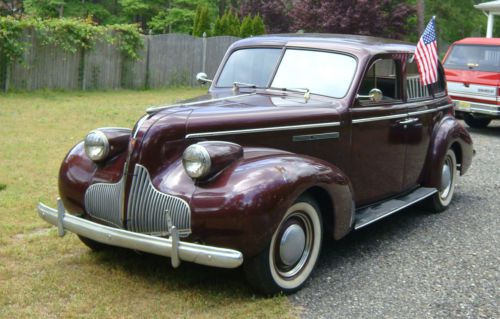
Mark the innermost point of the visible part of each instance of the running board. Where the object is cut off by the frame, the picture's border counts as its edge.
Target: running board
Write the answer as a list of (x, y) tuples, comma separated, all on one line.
[(371, 214)]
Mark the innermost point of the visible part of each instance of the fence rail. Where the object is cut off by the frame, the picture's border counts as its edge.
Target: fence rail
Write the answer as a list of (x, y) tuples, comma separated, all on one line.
[(165, 60)]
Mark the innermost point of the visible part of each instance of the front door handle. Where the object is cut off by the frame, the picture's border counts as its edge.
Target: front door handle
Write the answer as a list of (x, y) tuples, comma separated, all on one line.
[(410, 120)]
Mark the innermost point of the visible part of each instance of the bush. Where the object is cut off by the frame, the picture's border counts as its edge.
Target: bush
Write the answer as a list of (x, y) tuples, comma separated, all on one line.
[(70, 35)]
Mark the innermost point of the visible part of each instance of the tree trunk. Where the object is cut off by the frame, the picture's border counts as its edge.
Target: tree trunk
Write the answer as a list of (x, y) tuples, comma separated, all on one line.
[(421, 16)]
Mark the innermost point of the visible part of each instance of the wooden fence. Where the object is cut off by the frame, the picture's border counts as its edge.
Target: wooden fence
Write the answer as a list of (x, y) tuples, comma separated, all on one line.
[(165, 60)]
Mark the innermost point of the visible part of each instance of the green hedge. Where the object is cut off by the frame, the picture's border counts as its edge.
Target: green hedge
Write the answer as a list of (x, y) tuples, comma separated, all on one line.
[(70, 35)]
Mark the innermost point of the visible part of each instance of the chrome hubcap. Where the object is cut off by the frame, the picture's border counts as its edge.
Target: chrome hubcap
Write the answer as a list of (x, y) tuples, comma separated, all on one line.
[(292, 244), (446, 178)]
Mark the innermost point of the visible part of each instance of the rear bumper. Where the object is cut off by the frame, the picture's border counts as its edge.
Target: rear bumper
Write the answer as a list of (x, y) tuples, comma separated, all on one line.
[(477, 108), (169, 247)]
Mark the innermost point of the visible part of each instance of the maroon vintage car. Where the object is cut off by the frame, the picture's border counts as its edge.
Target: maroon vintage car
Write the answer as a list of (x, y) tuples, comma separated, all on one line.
[(299, 136)]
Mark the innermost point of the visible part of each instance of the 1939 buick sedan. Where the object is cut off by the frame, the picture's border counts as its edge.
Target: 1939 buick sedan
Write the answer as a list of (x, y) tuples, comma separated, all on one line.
[(301, 139)]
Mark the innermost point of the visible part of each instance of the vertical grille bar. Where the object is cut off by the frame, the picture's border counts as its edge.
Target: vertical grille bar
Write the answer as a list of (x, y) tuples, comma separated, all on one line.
[(147, 207)]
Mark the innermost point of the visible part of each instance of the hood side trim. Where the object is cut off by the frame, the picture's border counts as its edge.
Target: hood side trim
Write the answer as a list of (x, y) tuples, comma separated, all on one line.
[(263, 129)]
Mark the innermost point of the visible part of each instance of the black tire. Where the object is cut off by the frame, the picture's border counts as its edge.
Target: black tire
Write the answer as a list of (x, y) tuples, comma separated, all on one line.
[(476, 122), (442, 199), (94, 245), (281, 267)]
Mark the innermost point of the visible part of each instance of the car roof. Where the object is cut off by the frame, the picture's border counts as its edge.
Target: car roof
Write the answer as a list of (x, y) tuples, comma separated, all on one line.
[(483, 41), (352, 43)]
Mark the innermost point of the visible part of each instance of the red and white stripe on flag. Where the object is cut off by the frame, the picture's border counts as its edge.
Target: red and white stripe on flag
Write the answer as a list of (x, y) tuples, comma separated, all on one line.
[(426, 55)]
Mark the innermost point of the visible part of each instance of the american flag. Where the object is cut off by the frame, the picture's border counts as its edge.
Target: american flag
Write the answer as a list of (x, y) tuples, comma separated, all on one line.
[(426, 55)]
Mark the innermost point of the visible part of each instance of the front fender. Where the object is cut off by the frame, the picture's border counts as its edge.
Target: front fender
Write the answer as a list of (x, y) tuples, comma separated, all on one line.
[(78, 172), (242, 207), (447, 133)]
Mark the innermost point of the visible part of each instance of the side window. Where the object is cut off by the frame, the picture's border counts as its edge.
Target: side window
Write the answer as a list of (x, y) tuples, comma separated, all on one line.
[(440, 86), (414, 88), (382, 75)]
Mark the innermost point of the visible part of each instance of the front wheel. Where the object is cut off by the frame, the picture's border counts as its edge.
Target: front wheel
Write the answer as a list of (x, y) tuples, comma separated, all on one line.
[(442, 199), (287, 262)]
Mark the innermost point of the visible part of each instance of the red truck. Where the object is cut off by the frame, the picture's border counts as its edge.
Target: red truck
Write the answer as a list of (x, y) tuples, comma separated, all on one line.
[(472, 67)]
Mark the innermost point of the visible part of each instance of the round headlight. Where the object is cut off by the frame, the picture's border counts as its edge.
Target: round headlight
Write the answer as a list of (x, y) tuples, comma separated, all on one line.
[(196, 161), (96, 145)]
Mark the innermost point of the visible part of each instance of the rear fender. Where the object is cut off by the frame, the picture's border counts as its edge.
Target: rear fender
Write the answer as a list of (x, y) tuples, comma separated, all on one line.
[(447, 133)]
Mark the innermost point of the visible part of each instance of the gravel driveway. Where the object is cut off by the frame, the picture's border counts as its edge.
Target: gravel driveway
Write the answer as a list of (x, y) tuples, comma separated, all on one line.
[(419, 265)]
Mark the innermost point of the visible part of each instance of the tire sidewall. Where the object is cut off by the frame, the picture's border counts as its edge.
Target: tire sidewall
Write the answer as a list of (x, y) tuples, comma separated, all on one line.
[(310, 209)]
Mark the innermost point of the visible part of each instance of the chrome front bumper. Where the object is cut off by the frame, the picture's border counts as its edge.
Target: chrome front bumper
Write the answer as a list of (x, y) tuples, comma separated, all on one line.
[(169, 247)]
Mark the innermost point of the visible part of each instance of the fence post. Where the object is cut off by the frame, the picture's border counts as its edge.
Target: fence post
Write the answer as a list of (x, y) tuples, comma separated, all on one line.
[(148, 52), (204, 61), (83, 74), (7, 77)]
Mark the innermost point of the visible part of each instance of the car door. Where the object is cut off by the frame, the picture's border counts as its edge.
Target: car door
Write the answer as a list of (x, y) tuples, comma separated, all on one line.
[(422, 103), (378, 142)]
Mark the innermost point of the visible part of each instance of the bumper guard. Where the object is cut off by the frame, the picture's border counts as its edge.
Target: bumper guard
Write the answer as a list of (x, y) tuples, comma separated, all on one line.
[(169, 247)]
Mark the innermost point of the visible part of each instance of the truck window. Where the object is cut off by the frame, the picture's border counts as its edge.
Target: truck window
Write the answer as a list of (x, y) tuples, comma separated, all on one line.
[(474, 57)]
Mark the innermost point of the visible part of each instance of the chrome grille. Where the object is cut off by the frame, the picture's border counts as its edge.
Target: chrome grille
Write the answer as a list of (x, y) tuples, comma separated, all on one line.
[(147, 210), (102, 201)]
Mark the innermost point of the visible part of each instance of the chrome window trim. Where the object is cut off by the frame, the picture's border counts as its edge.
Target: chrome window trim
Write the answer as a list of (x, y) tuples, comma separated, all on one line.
[(263, 129), (397, 116), (379, 118), (159, 108)]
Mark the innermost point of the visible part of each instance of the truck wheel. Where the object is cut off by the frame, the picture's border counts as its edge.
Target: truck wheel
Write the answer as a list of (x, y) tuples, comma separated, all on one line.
[(288, 260), (442, 199), (476, 122), (94, 245)]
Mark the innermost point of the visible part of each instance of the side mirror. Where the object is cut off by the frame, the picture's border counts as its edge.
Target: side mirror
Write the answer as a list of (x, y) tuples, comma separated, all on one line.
[(202, 78), (375, 95)]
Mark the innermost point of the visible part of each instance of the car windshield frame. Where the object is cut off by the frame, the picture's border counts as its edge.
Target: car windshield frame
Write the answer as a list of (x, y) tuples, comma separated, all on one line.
[(278, 64), (465, 66)]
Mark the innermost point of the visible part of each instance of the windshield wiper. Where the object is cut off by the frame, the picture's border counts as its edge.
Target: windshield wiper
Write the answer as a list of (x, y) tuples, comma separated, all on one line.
[(307, 92), (238, 85)]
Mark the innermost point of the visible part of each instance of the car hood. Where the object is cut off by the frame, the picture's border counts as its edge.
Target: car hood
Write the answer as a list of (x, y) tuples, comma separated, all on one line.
[(249, 110)]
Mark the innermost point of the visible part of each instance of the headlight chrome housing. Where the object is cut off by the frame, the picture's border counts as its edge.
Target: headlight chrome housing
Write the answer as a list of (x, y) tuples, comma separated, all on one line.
[(196, 161), (96, 145)]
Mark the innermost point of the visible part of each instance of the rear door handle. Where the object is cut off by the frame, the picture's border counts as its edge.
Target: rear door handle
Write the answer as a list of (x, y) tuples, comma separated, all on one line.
[(410, 120)]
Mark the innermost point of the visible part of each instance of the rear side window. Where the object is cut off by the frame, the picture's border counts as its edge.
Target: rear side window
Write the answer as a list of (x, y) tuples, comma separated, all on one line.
[(474, 57), (414, 88)]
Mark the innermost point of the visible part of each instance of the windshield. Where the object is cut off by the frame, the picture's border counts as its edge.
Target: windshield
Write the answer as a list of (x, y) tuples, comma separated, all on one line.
[(474, 57), (318, 72)]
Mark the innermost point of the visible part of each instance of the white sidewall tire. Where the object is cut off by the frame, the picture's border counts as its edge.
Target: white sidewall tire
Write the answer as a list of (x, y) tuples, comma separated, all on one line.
[(301, 277), (445, 202)]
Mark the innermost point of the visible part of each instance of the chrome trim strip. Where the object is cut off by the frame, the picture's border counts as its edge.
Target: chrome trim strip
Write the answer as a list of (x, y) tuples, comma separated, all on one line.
[(379, 118), (397, 116), (263, 129), (474, 96), (200, 254), (316, 137), (158, 108)]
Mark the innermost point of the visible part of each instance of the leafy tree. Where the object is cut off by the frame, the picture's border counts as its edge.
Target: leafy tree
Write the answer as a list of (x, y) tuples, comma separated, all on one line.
[(201, 21), (258, 25), (228, 24), (246, 29), (387, 18), (273, 13)]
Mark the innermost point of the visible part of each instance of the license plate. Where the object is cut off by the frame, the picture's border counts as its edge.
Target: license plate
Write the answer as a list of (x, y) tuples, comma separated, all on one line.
[(463, 105)]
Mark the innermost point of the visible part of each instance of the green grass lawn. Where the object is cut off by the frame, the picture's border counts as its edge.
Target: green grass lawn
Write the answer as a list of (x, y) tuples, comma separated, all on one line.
[(42, 275)]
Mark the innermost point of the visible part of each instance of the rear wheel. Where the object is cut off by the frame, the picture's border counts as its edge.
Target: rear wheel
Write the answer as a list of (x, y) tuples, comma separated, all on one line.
[(442, 199), (476, 122), (290, 257)]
